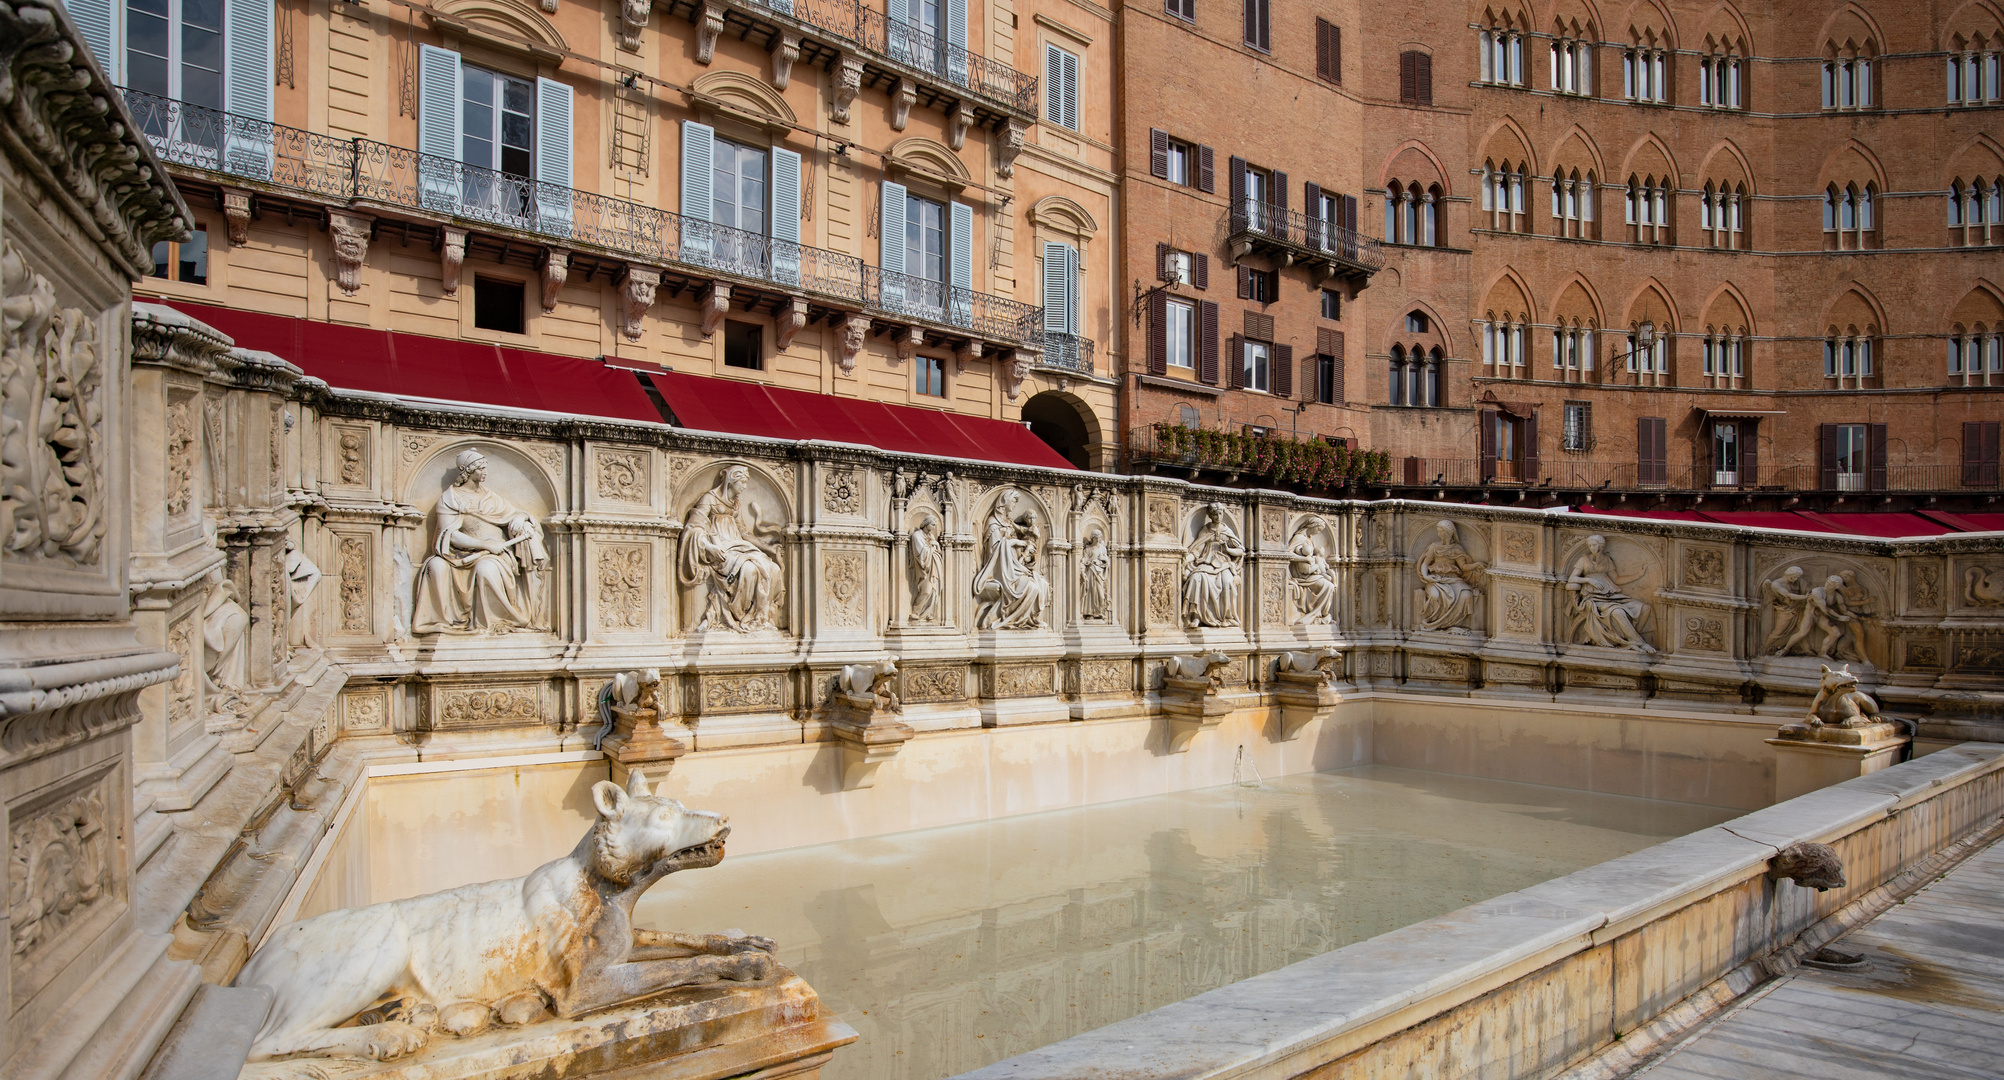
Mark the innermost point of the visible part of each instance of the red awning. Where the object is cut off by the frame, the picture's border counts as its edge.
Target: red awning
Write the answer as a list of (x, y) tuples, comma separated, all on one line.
[(414, 366), (1889, 524), (1769, 519), (742, 407), (1967, 522), (1655, 515)]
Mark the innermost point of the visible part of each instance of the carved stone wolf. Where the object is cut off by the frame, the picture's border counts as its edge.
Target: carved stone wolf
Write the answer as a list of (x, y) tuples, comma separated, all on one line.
[(1210, 665), (1848, 705), (1318, 662), (456, 959), (872, 681)]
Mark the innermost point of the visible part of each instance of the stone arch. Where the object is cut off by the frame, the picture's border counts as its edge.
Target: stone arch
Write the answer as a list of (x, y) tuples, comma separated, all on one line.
[(1650, 156), (1062, 215), (517, 476), (1981, 307), (1976, 20), (1576, 304), (508, 17), (1067, 425), (1727, 163), (741, 92), (1725, 26), (1981, 156), (1437, 332), (1413, 161), (1650, 302), (700, 479), (1850, 162), (1506, 142), (1851, 30), (929, 157), (1506, 13), (1649, 23), (1507, 299), (1577, 145), (1854, 311), (1584, 14), (1727, 312)]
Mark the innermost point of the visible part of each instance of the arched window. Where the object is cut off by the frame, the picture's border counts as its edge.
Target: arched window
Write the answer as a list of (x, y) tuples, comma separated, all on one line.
[(1572, 203), (1725, 358), (1502, 60), (1722, 214), (1572, 352), (1645, 68), (1973, 70), (1649, 360), (1649, 210), (1503, 196), (1850, 216), (1847, 357), (1847, 76), (1720, 76), (1973, 210), (1976, 356), (1572, 59), (1429, 233)]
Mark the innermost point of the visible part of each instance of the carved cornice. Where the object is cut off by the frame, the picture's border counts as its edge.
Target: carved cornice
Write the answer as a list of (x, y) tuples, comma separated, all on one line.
[(165, 337), (69, 128)]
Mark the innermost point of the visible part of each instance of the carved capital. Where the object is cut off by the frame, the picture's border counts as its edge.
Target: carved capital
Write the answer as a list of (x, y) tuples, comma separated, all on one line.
[(636, 296), (556, 268), (716, 304), (902, 100), (855, 331), (351, 247), (709, 24), (1016, 370), (792, 319), (965, 356), (848, 83), (909, 342), (783, 56), (957, 123), (1009, 143), (237, 214), (451, 255)]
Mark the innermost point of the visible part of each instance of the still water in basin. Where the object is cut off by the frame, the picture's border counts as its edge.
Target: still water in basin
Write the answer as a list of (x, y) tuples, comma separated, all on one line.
[(952, 948)]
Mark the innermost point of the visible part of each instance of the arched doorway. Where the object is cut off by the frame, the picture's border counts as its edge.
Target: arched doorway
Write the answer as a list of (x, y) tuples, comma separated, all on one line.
[(1066, 425)]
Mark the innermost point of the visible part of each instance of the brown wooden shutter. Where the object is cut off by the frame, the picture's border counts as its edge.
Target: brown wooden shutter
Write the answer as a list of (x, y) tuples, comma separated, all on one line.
[(1311, 377), (1158, 333), (1828, 461), (1423, 78), (1235, 363), (1412, 467), (1336, 340), (1237, 191), (1701, 455), (1245, 282), (1980, 453), (1162, 262), (1276, 220), (1990, 432), (1875, 457), (1283, 371), (1200, 270), (1530, 437), (1311, 204), (1336, 52), (1749, 454), (1489, 421), (1207, 179), (1207, 334), (1652, 451), (1643, 456), (1322, 62), (1158, 153), (1408, 76)]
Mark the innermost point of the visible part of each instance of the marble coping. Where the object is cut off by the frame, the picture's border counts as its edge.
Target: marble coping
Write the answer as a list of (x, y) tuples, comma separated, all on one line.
[(1288, 1021)]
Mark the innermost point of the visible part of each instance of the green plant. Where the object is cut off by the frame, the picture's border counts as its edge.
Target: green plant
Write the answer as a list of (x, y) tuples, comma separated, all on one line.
[(1307, 464)]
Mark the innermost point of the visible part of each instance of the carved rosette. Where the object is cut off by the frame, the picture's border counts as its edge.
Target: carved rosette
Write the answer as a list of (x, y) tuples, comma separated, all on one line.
[(368, 711), (1520, 612), (840, 494), (1704, 568), (1703, 633)]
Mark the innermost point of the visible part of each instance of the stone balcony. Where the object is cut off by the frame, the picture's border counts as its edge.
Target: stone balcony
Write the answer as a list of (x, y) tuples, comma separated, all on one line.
[(1290, 237)]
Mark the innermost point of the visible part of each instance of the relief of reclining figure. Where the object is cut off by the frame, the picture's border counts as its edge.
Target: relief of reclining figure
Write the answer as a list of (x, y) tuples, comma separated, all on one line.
[(562, 935)]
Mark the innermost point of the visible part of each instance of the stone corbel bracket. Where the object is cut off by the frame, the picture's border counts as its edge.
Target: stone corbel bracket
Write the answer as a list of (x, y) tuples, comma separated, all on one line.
[(855, 331), (848, 83), (351, 234), (709, 24), (909, 342), (237, 215), (1016, 370), (716, 304), (902, 100), (1191, 706), (868, 735), (556, 269), (791, 320), (636, 296), (965, 356), (451, 256), (957, 123), (1009, 143), (1305, 695), (783, 56), (632, 21)]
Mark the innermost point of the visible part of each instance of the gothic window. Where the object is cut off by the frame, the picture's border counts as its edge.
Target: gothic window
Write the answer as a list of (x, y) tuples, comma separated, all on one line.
[(1571, 56), (1847, 76), (1722, 215), (1503, 196), (1973, 211), (1850, 218), (1645, 72), (1572, 203), (1648, 212)]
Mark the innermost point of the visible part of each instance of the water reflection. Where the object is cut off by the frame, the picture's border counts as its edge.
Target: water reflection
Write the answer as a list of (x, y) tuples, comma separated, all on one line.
[(952, 948)]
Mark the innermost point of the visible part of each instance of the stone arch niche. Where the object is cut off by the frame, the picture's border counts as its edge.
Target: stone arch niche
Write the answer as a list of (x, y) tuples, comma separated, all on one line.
[(731, 560), (1610, 600), (1786, 628), (1213, 572), (1313, 587), (453, 589), (1067, 425), (1012, 584), (1450, 575), (1099, 580)]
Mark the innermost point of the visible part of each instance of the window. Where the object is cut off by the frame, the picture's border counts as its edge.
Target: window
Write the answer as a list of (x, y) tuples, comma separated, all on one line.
[(174, 49), (497, 304), (925, 238), (1847, 358), (1061, 87), (1187, 416), (1650, 363), (1847, 78), (1328, 51), (1724, 360), (1503, 196), (1976, 357), (743, 346), (736, 196), (1974, 210), (1644, 76), (1258, 31), (1572, 60), (1979, 453), (1973, 70), (1325, 380), (1258, 362), (1853, 456), (931, 376), (1416, 322), (1722, 215), (1255, 207), (1179, 162), (1502, 60), (1849, 221), (1725, 453), (1503, 347), (1412, 214), (1577, 435), (1182, 9), (210, 55), (1719, 81), (1509, 447), (183, 260), (1332, 305), (1181, 335), (926, 252), (1648, 212), (737, 186), (1415, 376), (1572, 204), (1178, 268), (1259, 286), (498, 124), (1415, 77), (1572, 352)]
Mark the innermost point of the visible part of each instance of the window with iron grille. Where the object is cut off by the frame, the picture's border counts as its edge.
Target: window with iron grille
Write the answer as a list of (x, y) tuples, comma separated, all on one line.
[(1577, 434)]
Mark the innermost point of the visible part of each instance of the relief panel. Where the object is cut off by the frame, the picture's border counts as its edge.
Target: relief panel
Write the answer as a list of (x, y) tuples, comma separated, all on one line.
[(487, 705), (1018, 680), (623, 575), (724, 694), (622, 476), (65, 866), (923, 684)]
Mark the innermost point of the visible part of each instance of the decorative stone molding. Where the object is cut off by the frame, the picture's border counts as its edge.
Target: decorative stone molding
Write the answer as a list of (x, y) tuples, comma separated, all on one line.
[(237, 215), (68, 129), (623, 586), (1016, 370), (356, 596), (966, 355), (716, 303), (933, 684), (855, 332), (1018, 680), (903, 97), (451, 255), (636, 296), (1008, 144), (58, 382), (64, 865), (848, 83), (783, 56), (709, 24), (1704, 567), (632, 22), (350, 233), (487, 705), (909, 342), (958, 120), (555, 270), (1520, 546), (549, 7), (790, 321)]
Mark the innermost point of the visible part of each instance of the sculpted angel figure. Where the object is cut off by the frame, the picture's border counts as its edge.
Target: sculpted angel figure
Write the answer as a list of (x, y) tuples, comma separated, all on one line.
[(1010, 592), (728, 557), (225, 623), (927, 561), (1211, 571), (1094, 560), (1826, 620), (1789, 598), (1311, 580), (1449, 574), (1602, 613), (485, 570)]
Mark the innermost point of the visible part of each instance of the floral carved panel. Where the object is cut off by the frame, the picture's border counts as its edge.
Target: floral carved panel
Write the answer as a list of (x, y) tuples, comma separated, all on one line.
[(351, 447), (1520, 612), (52, 423), (935, 684), (844, 575), (1705, 634), (1106, 677), (65, 863), (623, 586), (365, 711), (723, 694), (1704, 568), (488, 706), (840, 494), (1018, 680), (622, 475), (1520, 546), (352, 553), (1161, 595), (180, 456)]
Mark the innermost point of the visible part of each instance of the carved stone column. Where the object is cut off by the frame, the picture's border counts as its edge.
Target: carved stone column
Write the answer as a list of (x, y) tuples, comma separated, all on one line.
[(636, 296), (451, 254), (351, 247), (556, 268)]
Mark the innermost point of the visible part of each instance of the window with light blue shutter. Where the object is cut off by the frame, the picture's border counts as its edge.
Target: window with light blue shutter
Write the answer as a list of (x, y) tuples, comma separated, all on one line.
[(553, 156), (899, 29), (1061, 87), (960, 245), (698, 159), (785, 216), (247, 45), (97, 22), (1061, 275), (439, 136), (956, 41), (891, 243)]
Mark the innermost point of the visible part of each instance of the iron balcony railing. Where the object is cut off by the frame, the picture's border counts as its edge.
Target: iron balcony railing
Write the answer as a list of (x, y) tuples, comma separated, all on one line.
[(1068, 351), (359, 169), (912, 47), (1252, 218)]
